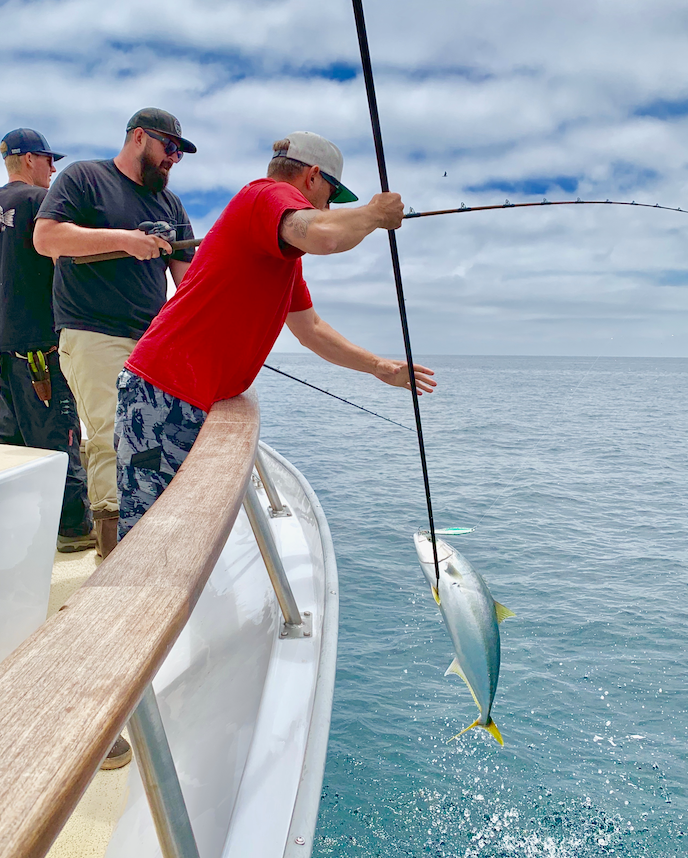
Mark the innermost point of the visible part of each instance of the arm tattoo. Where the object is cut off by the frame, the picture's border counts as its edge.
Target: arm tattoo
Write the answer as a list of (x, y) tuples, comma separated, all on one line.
[(297, 222)]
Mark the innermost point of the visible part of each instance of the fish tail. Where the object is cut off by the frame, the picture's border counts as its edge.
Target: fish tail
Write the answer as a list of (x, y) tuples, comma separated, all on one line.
[(491, 728)]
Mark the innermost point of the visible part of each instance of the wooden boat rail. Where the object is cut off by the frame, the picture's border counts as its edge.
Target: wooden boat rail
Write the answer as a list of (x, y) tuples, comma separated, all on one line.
[(69, 689)]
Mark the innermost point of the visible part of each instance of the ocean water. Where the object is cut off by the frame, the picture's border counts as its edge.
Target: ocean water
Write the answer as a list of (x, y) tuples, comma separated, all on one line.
[(575, 472)]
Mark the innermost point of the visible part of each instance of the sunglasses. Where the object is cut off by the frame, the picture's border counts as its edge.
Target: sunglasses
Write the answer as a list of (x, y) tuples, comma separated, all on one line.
[(170, 146), (332, 183)]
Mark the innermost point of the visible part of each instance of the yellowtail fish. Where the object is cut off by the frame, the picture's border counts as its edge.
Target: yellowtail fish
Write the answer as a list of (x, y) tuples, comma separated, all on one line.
[(472, 619)]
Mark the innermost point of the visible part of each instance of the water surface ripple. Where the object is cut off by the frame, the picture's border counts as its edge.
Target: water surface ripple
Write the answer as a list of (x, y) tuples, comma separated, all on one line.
[(575, 471)]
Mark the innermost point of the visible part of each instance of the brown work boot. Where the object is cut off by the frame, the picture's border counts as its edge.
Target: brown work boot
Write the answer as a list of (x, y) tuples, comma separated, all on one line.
[(119, 756), (71, 544), (105, 524)]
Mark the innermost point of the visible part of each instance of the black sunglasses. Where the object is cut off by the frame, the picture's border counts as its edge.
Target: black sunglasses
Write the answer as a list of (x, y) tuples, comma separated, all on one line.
[(170, 146), (331, 182)]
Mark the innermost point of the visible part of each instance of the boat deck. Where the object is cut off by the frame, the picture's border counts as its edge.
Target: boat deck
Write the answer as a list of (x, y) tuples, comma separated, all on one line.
[(89, 829)]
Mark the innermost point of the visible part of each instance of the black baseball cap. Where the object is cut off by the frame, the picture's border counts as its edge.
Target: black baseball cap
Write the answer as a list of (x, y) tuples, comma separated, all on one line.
[(23, 140), (155, 119)]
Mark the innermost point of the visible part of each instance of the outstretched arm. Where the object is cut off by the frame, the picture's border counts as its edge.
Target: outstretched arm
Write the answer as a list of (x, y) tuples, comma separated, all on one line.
[(314, 333), (322, 232)]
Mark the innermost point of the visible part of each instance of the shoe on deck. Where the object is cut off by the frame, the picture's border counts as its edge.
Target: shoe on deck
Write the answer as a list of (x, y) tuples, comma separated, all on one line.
[(105, 528), (119, 756), (70, 544)]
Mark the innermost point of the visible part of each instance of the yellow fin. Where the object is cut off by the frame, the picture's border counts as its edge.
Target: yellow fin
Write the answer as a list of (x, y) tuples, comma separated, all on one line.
[(491, 728), (436, 595), (503, 613), (455, 667)]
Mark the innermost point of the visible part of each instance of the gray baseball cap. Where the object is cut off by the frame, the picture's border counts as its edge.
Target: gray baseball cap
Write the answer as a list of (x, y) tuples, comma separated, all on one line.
[(313, 150)]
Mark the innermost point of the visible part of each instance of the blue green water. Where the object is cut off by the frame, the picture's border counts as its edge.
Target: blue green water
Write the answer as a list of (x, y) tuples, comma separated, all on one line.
[(575, 471)]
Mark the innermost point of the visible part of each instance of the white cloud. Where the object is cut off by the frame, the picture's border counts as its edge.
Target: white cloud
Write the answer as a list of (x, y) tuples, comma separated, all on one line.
[(495, 93)]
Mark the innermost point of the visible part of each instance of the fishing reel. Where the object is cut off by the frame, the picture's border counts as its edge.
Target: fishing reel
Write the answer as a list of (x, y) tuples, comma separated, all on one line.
[(159, 227)]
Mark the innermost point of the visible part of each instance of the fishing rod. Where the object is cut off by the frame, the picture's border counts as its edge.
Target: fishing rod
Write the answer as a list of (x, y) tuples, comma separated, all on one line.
[(508, 205), (161, 228), (396, 266), (195, 242), (334, 396)]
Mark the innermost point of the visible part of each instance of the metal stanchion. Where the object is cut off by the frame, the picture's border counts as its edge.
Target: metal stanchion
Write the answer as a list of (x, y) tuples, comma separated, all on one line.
[(154, 759), (295, 624), (277, 509)]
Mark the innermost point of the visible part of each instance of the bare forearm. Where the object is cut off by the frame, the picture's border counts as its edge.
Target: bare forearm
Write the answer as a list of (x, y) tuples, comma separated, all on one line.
[(54, 239), (323, 340), (338, 231), (322, 232)]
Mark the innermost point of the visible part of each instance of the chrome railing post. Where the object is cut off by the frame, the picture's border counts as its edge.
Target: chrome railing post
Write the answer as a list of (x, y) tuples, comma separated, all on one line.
[(277, 508), (266, 542), (159, 777)]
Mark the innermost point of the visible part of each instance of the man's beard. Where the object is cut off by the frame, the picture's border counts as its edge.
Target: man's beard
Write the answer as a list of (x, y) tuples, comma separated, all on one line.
[(153, 177)]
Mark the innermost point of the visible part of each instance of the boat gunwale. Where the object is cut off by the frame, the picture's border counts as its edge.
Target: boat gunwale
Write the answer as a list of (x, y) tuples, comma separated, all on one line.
[(68, 690)]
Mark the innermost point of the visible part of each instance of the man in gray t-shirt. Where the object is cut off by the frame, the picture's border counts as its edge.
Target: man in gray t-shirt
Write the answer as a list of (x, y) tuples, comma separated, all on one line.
[(102, 309)]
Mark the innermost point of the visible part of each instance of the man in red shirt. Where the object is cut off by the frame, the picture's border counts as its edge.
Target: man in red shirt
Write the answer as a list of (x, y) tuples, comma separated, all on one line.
[(210, 340)]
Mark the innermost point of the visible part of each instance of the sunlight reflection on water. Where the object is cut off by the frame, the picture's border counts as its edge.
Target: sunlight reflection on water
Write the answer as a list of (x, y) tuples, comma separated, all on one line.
[(575, 470)]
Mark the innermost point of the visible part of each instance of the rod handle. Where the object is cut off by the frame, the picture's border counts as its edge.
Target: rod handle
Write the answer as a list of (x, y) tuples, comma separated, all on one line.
[(122, 254)]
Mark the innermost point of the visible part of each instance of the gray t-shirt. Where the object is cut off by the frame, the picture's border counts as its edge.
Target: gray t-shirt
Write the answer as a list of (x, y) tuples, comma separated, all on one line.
[(119, 297)]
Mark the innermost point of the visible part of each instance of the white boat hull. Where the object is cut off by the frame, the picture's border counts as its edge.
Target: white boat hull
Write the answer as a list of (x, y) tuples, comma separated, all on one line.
[(237, 700)]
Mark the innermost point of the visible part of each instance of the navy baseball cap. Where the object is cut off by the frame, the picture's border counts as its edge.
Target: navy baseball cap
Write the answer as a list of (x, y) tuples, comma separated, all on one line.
[(155, 119), (23, 140)]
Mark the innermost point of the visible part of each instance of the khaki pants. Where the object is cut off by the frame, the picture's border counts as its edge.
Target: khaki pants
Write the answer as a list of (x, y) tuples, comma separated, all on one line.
[(91, 363)]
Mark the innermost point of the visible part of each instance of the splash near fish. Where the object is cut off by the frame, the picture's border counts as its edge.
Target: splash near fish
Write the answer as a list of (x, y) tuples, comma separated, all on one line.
[(472, 619)]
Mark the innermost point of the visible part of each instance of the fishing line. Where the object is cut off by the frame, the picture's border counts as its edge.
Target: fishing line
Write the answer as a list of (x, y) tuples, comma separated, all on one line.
[(382, 169), (507, 205), (334, 396)]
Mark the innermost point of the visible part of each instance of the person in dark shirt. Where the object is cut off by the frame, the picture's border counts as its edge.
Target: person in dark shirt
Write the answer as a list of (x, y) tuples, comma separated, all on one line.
[(35, 415), (103, 308)]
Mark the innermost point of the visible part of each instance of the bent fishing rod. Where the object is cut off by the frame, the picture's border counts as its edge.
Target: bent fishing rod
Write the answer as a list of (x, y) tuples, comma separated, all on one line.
[(545, 202), (396, 265), (195, 242)]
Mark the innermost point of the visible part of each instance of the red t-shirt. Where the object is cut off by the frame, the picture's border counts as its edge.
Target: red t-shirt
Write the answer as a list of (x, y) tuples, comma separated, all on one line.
[(211, 338)]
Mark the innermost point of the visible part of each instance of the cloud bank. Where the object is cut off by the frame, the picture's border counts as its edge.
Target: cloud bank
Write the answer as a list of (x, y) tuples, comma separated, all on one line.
[(523, 101)]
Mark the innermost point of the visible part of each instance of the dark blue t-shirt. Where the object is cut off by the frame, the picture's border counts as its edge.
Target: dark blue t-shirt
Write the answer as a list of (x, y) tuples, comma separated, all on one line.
[(119, 297), (26, 277)]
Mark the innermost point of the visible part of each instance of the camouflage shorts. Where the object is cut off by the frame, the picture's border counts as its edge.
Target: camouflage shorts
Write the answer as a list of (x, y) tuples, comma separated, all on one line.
[(154, 432)]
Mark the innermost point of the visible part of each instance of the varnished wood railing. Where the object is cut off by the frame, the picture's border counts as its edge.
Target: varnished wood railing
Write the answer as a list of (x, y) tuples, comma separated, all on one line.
[(68, 690)]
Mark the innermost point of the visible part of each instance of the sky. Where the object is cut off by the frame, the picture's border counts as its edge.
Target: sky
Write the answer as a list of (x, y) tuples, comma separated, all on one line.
[(511, 100)]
